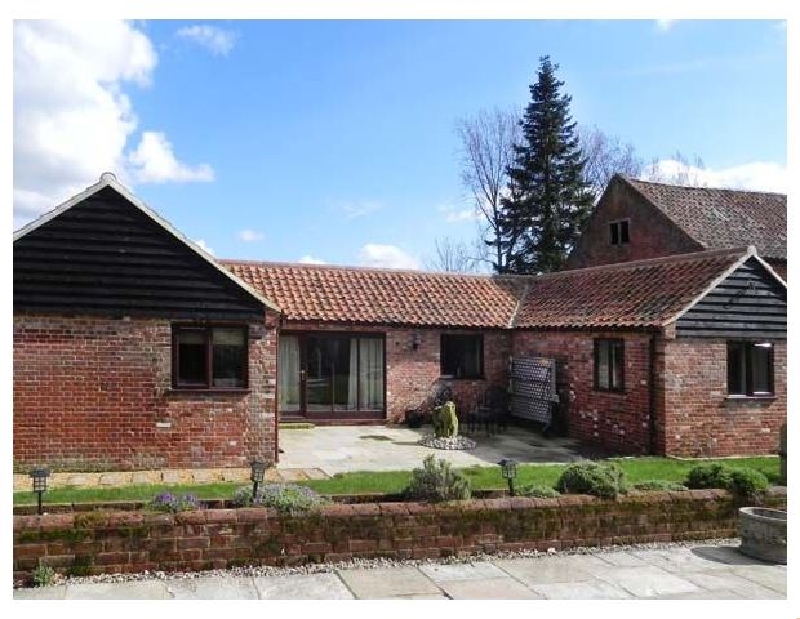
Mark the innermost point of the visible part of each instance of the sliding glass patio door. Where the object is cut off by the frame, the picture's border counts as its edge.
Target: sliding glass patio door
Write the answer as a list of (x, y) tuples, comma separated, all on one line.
[(330, 376)]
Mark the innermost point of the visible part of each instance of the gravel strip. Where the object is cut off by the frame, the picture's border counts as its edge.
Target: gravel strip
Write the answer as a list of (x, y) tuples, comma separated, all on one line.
[(361, 563)]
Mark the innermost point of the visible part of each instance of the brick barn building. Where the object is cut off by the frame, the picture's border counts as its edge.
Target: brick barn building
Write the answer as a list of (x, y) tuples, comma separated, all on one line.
[(134, 348)]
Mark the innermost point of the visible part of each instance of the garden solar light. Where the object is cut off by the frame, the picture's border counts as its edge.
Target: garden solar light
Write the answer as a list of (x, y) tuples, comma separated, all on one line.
[(257, 468), (39, 477), (509, 468)]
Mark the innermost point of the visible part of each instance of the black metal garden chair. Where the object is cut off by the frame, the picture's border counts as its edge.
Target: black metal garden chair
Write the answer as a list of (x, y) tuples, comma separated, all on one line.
[(492, 411)]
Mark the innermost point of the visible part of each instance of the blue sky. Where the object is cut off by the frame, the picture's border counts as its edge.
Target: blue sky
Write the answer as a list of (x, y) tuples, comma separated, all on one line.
[(282, 140)]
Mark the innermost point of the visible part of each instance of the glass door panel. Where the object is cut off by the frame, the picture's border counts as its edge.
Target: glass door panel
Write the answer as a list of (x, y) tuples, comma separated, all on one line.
[(289, 373)]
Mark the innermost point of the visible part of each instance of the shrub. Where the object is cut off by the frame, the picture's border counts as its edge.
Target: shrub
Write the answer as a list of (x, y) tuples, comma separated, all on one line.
[(168, 502), (747, 483), (705, 476), (603, 480), (43, 575), (436, 481), (741, 482), (539, 492), (659, 484), (289, 499)]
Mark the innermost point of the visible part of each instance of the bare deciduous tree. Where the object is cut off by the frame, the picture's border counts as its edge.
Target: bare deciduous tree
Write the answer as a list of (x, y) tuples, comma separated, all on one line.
[(452, 256), (487, 141), (605, 156), (678, 170)]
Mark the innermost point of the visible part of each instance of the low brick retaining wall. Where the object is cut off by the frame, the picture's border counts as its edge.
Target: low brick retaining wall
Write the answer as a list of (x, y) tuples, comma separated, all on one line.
[(112, 542)]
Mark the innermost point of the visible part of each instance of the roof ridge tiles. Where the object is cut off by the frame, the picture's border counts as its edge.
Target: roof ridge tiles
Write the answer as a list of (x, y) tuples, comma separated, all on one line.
[(631, 179)]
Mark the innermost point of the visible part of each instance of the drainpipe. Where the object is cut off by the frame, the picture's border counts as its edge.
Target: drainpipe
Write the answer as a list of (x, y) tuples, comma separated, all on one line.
[(652, 394), (278, 325)]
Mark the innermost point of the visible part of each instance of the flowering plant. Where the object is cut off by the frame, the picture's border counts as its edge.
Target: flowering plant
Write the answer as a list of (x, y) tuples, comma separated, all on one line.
[(168, 502)]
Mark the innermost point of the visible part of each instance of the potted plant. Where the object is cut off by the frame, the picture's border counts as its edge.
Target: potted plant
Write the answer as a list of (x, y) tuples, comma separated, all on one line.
[(414, 418)]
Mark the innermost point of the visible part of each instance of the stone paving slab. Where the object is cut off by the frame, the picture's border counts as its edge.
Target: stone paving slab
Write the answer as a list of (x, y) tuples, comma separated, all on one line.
[(768, 576), (489, 589), (137, 590), (383, 583), (647, 582), (552, 569), (57, 592), (720, 580), (592, 590), (323, 586), (679, 560), (621, 559), (466, 571), (702, 595), (212, 588)]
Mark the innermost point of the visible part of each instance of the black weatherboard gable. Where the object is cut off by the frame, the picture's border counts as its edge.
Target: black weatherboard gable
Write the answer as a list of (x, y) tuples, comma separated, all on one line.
[(749, 303), (104, 255)]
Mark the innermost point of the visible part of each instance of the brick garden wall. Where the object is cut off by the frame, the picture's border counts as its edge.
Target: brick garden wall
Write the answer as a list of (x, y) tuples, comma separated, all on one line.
[(412, 375), (618, 422), (120, 542), (701, 421), (95, 393)]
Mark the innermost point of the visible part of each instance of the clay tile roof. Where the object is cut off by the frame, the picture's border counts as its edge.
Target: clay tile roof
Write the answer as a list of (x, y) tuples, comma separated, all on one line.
[(645, 293), (723, 218), (385, 296)]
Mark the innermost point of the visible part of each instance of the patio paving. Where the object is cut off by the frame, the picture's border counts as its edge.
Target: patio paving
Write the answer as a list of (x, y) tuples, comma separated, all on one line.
[(701, 572), (339, 449)]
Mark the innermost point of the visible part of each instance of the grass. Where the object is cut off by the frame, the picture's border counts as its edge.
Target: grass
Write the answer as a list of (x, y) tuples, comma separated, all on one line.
[(390, 482)]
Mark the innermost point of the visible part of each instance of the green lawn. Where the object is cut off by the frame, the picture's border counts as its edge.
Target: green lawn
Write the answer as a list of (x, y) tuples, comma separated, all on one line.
[(481, 478)]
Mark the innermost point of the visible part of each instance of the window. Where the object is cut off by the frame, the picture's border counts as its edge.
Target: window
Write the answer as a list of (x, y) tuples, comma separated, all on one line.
[(750, 369), (619, 232), (609, 365), (462, 356), (209, 357)]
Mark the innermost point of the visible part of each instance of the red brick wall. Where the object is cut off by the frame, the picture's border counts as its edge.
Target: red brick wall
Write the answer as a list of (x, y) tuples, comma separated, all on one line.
[(779, 266), (616, 421), (700, 420), (123, 542), (95, 393), (652, 235), (411, 375)]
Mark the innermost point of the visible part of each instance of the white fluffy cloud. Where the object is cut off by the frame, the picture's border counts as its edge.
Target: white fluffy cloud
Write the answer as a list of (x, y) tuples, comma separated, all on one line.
[(308, 259), (250, 236), (154, 162), (72, 118), (757, 175), (386, 256), (218, 41), (203, 246)]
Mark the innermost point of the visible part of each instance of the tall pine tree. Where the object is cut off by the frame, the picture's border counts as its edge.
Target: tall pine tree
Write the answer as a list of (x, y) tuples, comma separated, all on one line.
[(548, 201)]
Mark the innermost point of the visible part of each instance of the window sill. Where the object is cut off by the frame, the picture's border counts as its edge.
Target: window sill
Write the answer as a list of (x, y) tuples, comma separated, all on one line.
[(449, 377), (207, 391), (732, 399), (610, 391)]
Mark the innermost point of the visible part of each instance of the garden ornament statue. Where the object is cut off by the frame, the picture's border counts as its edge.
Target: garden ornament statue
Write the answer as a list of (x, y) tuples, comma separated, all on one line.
[(445, 420)]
